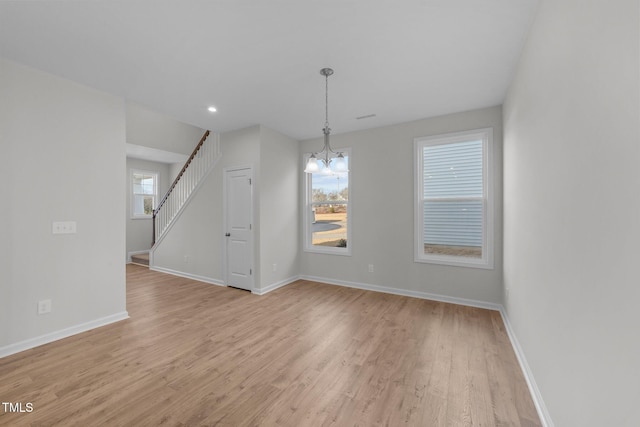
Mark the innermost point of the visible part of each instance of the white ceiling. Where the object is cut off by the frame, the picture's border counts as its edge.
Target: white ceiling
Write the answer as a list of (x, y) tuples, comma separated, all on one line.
[(258, 61)]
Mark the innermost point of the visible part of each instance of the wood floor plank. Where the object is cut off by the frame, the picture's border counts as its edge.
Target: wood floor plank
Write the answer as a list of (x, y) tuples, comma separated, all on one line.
[(194, 354)]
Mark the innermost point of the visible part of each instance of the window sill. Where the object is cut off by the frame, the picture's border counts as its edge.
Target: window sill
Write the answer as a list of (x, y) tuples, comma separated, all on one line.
[(457, 262), (328, 251)]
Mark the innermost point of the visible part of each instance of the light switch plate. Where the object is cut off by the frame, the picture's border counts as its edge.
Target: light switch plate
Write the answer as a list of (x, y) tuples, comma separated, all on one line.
[(64, 227)]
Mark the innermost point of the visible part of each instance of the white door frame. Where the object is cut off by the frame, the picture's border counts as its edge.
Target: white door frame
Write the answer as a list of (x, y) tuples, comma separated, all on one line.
[(225, 196)]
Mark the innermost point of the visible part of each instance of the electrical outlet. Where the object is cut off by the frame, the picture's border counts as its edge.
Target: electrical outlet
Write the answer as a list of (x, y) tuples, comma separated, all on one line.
[(370, 268), (186, 259), (275, 267), (44, 306)]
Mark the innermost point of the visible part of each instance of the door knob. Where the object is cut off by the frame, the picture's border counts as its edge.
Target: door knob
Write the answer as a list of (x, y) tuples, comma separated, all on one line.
[(227, 234)]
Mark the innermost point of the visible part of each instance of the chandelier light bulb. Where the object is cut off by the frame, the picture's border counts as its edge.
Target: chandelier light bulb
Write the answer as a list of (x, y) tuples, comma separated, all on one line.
[(340, 164), (312, 165)]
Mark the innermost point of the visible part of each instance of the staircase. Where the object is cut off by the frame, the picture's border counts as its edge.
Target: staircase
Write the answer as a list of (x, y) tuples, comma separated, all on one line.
[(140, 259), (200, 163)]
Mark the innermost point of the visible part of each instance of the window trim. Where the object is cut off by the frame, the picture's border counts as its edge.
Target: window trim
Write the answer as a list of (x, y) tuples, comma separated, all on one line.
[(486, 262), (306, 214), (156, 175)]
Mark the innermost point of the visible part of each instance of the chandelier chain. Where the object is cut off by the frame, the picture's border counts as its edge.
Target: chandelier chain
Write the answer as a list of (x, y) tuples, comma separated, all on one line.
[(326, 101)]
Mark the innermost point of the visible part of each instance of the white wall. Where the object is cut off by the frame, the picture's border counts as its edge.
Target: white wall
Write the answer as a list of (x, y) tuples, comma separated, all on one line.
[(152, 129), (6, 185), (382, 206), (279, 208), (198, 234), (63, 149), (140, 230), (572, 210)]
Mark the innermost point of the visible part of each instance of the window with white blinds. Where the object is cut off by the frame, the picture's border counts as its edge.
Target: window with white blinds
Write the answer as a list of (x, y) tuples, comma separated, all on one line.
[(453, 199)]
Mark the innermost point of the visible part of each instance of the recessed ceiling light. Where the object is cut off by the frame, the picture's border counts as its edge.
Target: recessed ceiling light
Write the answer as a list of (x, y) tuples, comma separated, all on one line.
[(212, 109)]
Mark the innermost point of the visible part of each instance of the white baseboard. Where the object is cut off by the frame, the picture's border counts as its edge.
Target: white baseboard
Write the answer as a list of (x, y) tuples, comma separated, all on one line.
[(197, 277), (219, 282), (541, 408), (274, 286), (406, 293), (63, 333)]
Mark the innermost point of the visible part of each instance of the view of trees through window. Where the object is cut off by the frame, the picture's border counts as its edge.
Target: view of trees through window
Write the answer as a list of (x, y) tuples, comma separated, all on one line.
[(329, 208), (319, 195)]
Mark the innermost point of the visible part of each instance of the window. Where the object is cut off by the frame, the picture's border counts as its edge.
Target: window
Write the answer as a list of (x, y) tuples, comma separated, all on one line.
[(453, 200), (327, 214), (144, 190)]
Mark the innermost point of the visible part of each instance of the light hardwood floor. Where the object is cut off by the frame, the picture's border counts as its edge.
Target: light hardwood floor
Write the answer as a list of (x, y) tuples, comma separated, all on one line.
[(306, 354)]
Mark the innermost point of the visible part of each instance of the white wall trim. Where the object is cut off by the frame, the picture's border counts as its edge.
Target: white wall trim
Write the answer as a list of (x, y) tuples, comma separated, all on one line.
[(156, 189), (541, 408), (197, 277), (536, 396), (406, 293), (307, 245), (276, 285), (486, 135), (225, 222), (63, 333)]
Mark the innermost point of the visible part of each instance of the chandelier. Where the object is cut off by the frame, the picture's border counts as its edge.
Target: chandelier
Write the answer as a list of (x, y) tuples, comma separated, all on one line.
[(326, 155)]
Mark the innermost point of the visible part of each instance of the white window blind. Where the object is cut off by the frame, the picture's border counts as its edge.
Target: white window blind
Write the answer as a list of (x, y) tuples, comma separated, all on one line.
[(453, 193), (453, 199)]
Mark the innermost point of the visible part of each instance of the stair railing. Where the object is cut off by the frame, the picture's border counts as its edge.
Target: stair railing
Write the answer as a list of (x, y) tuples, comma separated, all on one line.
[(198, 164)]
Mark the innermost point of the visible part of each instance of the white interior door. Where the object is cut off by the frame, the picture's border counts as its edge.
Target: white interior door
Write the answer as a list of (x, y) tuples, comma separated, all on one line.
[(239, 233)]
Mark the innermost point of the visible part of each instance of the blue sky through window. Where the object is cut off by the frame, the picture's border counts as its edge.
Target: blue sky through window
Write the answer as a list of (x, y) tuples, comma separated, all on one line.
[(335, 182)]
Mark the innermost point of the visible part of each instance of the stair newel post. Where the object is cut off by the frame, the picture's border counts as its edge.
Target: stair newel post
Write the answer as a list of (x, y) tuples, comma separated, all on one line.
[(153, 239)]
